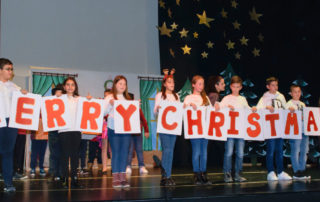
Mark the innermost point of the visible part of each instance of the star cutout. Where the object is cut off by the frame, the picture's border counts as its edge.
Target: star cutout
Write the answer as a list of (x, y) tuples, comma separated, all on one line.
[(244, 41), (171, 52), (174, 26), (260, 37), (162, 4), (204, 20), (224, 14), (255, 16), (256, 52), (204, 54), (230, 45), (186, 50), (234, 4), (237, 55), (210, 44), (178, 2), (183, 33), (195, 35), (169, 13), (164, 30), (236, 25)]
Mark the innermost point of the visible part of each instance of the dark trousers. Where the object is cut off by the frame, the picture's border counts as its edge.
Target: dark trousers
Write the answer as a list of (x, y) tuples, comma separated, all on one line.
[(83, 152), (7, 141), (54, 147), (70, 145), (19, 151), (38, 149), (94, 152)]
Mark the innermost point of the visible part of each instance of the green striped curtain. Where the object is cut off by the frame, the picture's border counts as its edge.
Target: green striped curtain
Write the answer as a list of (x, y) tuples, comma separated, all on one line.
[(42, 83)]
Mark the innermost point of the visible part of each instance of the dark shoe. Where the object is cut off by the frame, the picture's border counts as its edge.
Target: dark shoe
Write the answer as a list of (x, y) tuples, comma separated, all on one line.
[(204, 179), (18, 176), (239, 178), (228, 177), (75, 183), (163, 181), (9, 189), (197, 179), (171, 182)]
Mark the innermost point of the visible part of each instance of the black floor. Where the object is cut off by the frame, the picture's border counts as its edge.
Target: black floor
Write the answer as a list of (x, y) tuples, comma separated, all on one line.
[(147, 188)]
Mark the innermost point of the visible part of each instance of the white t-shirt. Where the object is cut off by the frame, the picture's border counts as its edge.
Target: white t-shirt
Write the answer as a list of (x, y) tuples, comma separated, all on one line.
[(235, 101), (7, 89), (109, 109), (277, 100), (159, 98), (195, 99), (73, 102), (296, 104)]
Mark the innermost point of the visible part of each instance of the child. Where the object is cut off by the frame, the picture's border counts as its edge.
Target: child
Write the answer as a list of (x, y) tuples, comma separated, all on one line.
[(38, 149), (199, 146), (271, 100), (69, 139), (119, 142), (19, 154), (54, 147), (104, 140), (234, 101), (299, 148), (7, 135), (215, 86), (167, 140)]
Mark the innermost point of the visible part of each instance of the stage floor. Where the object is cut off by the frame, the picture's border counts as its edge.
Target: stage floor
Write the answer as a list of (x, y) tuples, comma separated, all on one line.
[(147, 188)]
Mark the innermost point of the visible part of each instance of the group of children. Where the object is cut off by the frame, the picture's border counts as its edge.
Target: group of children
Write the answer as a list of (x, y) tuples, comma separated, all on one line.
[(65, 144)]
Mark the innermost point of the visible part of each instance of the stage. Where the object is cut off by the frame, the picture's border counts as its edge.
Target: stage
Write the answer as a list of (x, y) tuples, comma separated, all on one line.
[(147, 188)]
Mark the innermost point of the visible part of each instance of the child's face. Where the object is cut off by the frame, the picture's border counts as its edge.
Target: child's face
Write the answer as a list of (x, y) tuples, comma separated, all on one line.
[(70, 87), (273, 87), (235, 88), (169, 84), (220, 86), (198, 86), (296, 93), (121, 86), (58, 93), (6, 72)]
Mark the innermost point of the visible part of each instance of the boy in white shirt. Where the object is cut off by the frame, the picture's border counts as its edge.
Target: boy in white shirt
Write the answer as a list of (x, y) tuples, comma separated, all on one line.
[(272, 99), (299, 148)]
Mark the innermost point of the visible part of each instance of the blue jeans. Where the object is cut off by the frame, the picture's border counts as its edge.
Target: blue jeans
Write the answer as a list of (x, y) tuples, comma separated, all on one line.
[(120, 144), (199, 154), (275, 147), (227, 163), (83, 152), (38, 148), (299, 150), (167, 143), (54, 148), (7, 141), (136, 143)]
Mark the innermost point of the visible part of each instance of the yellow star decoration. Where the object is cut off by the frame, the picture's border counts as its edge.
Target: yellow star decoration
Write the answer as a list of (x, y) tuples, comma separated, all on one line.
[(224, 14), (210, 44), (256, 52), (237, 56), (244, 41), (171, 52), (230, 45), (169, 13), (204, 20), (254, 15), (162, 4), (236, 25), (178, 2), (204, 54), (174, 26), (164, 30), (183, 33), (186, 50), (195, 35), (234, 4), (260, 37)]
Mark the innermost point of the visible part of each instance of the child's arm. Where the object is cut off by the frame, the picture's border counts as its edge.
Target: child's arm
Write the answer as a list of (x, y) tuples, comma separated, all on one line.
[(144, 124)]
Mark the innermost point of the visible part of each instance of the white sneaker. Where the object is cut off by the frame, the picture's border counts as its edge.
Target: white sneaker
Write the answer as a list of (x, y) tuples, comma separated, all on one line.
[(128, 170), (143, 170), (284, 176), (272, 176)]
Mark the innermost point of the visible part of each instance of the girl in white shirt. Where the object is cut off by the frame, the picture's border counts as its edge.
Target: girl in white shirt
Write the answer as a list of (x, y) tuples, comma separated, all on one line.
[(70, 138), (167, 140), (199, 146), (119, 142)]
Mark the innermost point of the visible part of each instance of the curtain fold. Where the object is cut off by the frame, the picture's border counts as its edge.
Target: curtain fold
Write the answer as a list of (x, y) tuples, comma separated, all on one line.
[(42, 83)]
